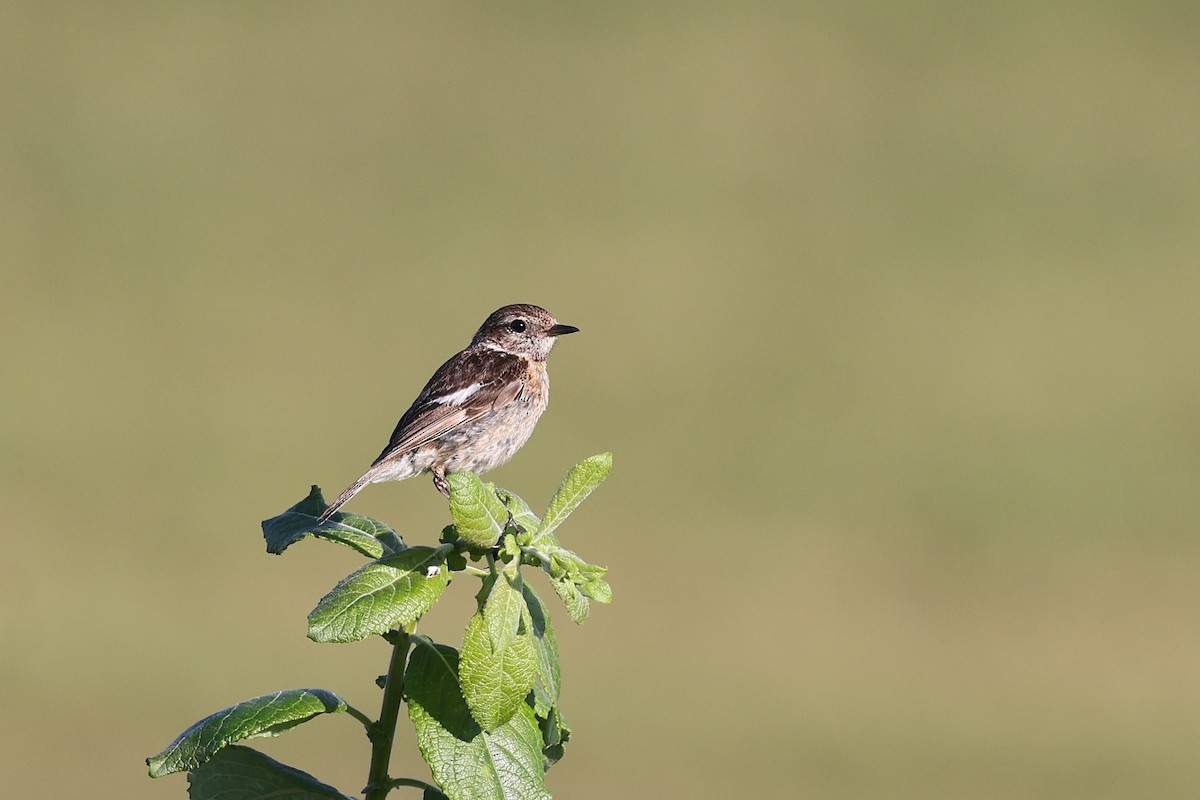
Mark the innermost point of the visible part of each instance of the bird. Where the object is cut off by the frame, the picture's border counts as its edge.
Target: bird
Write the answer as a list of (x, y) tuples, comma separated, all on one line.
[(479, 407)]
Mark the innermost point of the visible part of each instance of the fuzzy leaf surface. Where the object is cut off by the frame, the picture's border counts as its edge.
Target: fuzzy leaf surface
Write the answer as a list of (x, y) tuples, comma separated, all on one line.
[(467, 763), (392, 591), (367, 535), (577, 604), (268, 715), (502, 611), (242, 773), (537, 622), (522, 514), (478, 514), (580, 481), (597, 590), (495, 681)]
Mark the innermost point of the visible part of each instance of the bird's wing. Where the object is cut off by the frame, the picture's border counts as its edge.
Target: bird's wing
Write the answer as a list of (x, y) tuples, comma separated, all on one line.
[(463, 389)]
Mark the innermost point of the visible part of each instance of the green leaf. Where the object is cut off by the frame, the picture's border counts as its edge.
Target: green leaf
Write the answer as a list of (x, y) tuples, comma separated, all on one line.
[(580, 481), (564, 566), (268, 715), (478, 513), (521, 513), (539, 700), (502, 611), (495, 682), (384, 594), (537, 622), (455, 560), (467, 763), (241, 773), (570, 562), (597, 590), (589, 572), (577, 605), (555, 733), (366, 535), (509, 546)]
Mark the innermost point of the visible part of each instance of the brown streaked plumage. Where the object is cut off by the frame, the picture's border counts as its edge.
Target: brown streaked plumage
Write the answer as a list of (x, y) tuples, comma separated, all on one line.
[(477, 409)]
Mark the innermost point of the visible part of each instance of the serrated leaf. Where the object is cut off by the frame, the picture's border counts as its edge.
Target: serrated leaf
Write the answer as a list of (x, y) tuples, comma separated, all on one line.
[(366, 535), (242, 773), (537, 621), (555, 567), (495, 682), (581, 480), (384, 594), (502, 611), (467, 763), (522, 514), (597, 590), (563, 565), (568, 559), (268, 715), (509, 546), (577, 605), (478, 514), (590, 572)]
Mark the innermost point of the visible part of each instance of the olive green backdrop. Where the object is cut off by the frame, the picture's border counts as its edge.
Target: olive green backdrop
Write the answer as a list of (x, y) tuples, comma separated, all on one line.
[(889, 312)]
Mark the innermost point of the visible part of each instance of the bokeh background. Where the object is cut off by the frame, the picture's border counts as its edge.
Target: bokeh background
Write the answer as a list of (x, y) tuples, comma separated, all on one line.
[(890, 316)]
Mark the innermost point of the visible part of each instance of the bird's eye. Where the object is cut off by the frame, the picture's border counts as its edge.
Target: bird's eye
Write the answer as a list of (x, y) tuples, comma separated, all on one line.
[(517, 326)]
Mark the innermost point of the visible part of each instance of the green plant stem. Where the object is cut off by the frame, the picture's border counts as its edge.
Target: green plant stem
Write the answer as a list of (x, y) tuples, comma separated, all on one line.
[(384, 731), (538, 554), (367, 722)]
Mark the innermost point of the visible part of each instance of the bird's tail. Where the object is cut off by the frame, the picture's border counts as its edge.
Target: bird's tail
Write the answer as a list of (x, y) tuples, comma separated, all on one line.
[(343, 497)]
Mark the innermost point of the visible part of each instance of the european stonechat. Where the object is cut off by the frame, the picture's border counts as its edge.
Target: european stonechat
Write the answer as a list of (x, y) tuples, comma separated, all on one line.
[(477, 409)]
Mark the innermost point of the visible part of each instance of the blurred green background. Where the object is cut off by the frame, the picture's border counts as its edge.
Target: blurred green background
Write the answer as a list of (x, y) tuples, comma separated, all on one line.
[(889, 315)]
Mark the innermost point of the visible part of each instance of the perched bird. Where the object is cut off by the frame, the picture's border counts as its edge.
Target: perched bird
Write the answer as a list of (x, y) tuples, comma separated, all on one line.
[(477, 409)]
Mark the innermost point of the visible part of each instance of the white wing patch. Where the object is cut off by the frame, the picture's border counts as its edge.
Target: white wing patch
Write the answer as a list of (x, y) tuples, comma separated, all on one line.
[(459, 397)]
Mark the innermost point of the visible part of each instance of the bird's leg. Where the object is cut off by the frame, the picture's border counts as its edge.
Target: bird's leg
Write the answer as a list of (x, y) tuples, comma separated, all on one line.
[(439, 481)]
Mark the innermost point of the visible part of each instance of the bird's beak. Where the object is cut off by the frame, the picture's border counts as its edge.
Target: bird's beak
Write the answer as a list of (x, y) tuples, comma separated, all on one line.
[(562, 330)]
